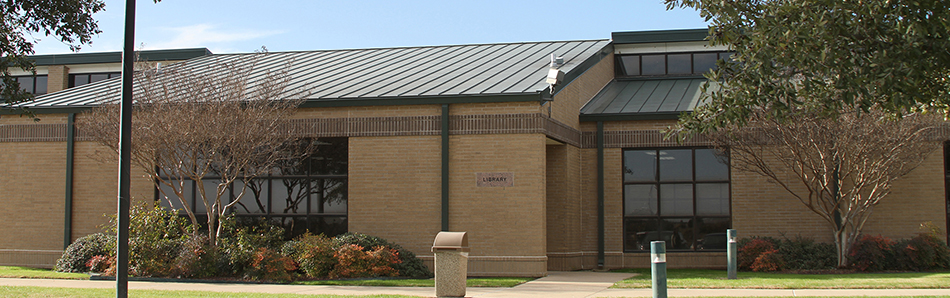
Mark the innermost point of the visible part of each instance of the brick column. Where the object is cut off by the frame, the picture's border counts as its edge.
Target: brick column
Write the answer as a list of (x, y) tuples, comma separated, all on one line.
[(58, 78)]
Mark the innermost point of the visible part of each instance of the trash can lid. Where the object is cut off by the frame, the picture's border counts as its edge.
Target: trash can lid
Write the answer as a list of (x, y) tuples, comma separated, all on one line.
[(450, 241)]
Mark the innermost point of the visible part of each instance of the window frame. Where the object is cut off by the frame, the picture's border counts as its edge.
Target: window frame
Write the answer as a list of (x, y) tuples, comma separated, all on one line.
[(658, 217)]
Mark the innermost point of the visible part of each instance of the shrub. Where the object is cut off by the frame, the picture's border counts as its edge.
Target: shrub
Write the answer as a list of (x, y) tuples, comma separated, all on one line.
[(768, 261), (921, 253), (870, 253), (242, 238), (314, 254), (806, 254), (156, 237), (751, 249), (79, 253), (355, 262), (269, 265), (102, 264), (198, 258), (409, 265)]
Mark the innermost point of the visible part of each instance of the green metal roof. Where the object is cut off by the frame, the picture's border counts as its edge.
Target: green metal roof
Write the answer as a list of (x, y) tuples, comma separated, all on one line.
[(386, 76), (659, 36), (116, 57), (644, 99)]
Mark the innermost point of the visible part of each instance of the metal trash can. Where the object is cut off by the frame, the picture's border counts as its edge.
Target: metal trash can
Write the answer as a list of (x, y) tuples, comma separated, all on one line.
[(451, 263)]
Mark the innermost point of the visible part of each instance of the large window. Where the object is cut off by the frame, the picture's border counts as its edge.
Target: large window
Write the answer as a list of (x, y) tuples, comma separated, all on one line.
[(307, 194), (35, 85), (680, 196), (86, 78), (668, 64)]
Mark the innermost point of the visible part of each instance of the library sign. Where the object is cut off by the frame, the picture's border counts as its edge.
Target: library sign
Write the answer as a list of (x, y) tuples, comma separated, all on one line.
[(495, 179)]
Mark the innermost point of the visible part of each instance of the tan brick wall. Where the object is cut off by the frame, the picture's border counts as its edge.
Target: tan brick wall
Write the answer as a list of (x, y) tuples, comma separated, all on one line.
[(33, 175), (58, 78), (762, 208), (95, 187), (43, 119), (564, 205), (501, 221), (568, 102), (525, 107), (395, 189)]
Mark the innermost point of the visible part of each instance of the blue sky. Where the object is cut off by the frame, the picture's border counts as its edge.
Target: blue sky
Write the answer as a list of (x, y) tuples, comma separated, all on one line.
[(244, 26)]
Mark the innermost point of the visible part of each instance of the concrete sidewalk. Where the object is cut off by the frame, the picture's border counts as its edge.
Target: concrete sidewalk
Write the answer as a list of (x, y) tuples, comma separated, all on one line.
[(556, 285)]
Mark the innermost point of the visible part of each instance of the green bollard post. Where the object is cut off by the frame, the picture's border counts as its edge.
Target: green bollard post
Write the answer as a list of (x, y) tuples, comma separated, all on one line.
[(658, 258), (733, 252)]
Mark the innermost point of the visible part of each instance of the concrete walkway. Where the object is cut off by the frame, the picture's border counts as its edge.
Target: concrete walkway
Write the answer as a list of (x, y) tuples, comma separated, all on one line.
[(555, 285)]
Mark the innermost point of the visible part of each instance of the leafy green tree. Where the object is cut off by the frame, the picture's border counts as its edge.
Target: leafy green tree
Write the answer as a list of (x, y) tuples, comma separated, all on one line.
[(832, 55), (69, 21)]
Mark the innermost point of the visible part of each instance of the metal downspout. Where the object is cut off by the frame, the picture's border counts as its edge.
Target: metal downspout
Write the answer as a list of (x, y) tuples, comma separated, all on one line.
[(68, 213), (445, 167), (600, 194)]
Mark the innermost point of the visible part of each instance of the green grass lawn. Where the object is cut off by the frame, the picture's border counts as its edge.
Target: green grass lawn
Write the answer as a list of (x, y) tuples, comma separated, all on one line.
[(25, 272), (699, 278), (471, 282), (37, 292)]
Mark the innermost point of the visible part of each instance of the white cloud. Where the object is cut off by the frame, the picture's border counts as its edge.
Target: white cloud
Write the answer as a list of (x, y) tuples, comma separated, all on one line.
[(205, 35)]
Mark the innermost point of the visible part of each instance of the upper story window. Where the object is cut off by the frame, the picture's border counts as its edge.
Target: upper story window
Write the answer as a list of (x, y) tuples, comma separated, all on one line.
[(33, 84), (86, 78), (668, 64)]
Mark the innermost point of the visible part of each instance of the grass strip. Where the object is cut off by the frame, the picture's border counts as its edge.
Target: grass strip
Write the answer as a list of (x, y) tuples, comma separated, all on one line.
[(37, 292), (701, 278), (500, 282), (26, 272)]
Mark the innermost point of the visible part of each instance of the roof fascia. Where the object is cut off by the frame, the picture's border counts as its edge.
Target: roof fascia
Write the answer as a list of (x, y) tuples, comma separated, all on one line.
[(116, 57), (427, 100), (659, 36), (631, 116)]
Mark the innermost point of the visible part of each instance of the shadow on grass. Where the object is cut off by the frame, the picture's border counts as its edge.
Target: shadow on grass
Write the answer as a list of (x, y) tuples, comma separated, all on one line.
[(703, 278)]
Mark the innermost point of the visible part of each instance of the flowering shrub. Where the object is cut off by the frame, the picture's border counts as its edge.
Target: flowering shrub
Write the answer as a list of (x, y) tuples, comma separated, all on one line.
[(408, 266), (768, 261), (750, 251), (870, 253), (270, 265), (78, 254), (102, 264), (314, 254), (354, 262)]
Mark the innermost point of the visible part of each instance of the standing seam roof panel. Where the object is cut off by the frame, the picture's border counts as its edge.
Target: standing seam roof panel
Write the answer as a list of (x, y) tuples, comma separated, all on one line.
[(624, 97), (388, 71), (461, 73), (531, 65), (482, 72), (675, 96), (374, 66), (451, 70), (571, 60), (640, 98), (508, 71), (411, 74)]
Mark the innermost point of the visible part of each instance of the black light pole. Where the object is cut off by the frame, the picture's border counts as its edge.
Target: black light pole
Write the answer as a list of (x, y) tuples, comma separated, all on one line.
[(125, 146)]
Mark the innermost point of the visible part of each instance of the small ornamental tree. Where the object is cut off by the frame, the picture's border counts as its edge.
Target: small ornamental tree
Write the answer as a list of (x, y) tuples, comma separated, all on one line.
[(838, 167), (213, 125)]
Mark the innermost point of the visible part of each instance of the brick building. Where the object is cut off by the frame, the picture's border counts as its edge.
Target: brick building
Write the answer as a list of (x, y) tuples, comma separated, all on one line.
[(468, 138)]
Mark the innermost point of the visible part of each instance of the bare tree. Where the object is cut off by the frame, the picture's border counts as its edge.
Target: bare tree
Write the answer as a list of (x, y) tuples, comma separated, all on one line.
[(838, 167), (212, 125)]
